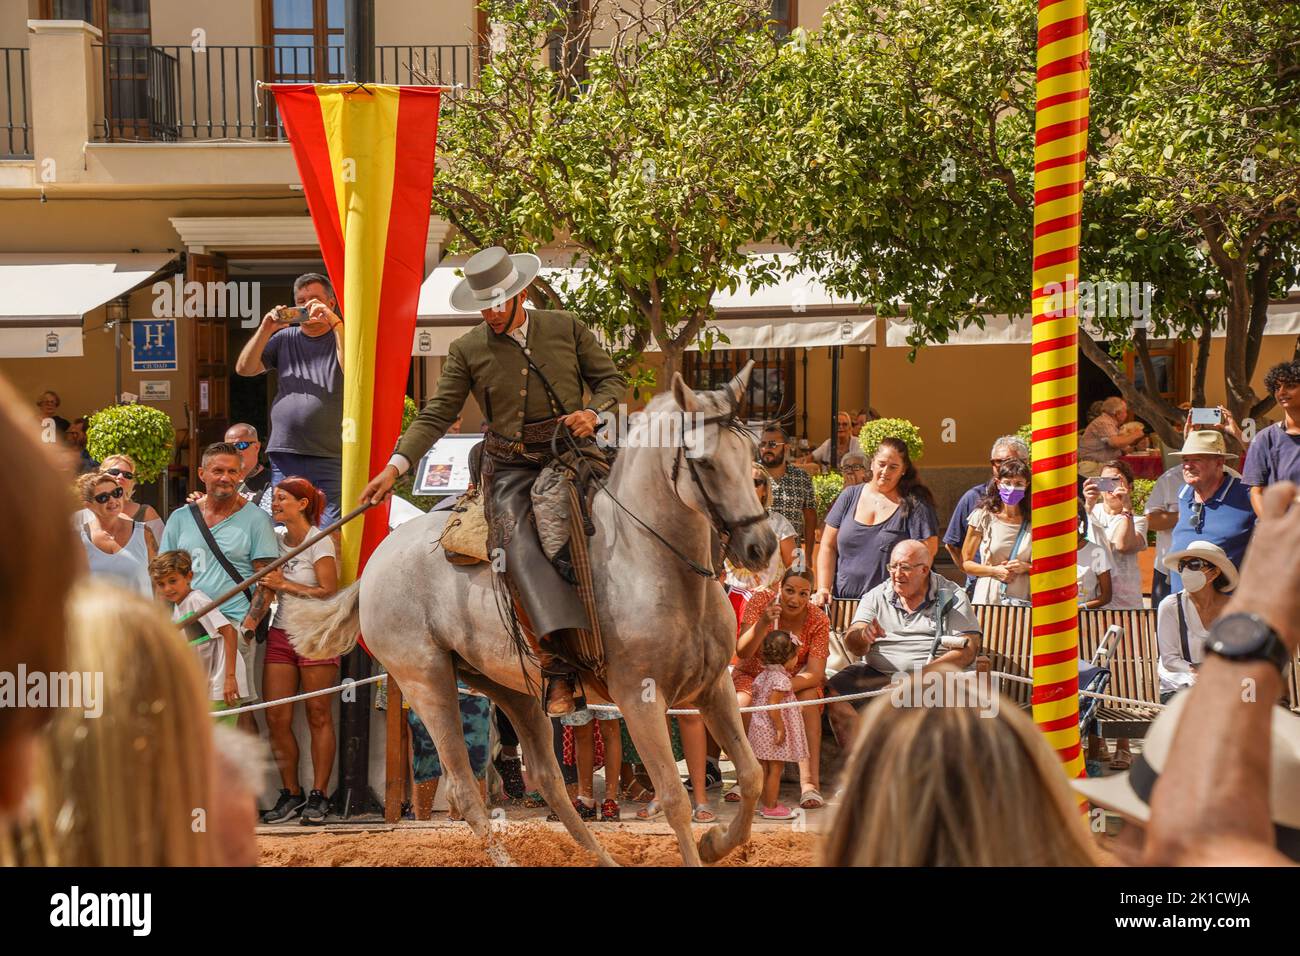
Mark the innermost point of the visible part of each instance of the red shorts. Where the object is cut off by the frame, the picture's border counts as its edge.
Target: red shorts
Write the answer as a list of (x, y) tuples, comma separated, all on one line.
[(280, 651)]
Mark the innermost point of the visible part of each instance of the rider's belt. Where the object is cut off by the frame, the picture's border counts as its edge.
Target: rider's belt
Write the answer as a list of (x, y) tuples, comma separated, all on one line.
[(535, 438)]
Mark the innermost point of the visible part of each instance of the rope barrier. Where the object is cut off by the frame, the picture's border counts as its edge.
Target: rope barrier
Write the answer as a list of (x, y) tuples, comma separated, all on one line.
[(688, 711)]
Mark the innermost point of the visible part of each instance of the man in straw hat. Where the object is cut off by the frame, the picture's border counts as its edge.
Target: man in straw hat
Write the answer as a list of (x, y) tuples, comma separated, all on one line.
[(1218, 781), (1212, 505), (526, 369)]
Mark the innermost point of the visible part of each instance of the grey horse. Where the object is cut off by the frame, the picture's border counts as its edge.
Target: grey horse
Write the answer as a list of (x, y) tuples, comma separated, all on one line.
[(668, 628)]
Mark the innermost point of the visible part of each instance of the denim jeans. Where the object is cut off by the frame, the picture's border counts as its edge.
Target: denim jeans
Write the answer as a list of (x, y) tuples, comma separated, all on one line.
[(325, 473)]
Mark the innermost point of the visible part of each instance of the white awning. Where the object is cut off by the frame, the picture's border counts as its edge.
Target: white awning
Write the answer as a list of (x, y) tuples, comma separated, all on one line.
[(1283, 319), (797, 312), (45, 296)]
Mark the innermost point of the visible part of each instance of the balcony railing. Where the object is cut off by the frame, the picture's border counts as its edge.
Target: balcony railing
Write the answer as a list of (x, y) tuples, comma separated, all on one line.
[(15, 121), (178, 93)]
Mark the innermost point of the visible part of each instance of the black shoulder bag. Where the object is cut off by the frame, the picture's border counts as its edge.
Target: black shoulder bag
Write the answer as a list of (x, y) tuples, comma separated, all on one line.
[(264, 625)]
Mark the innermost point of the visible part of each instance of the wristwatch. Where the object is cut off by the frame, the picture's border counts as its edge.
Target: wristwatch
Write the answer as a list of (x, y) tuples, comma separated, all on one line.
[(1247, 637)]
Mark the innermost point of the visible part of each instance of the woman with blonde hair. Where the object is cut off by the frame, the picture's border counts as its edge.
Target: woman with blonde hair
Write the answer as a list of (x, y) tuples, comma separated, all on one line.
[(950, 785), (116, 547), (122, 778), (122, 469)]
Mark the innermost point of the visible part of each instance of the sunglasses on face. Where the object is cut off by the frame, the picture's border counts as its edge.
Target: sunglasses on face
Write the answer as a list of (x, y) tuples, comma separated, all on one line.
[(1195, 564), (120, 473), (242, 445), (103, 496), (760, 482), (771, 444)]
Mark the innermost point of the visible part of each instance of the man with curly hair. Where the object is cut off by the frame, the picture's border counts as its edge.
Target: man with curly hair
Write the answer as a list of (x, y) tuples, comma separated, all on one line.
[(1274, 455)]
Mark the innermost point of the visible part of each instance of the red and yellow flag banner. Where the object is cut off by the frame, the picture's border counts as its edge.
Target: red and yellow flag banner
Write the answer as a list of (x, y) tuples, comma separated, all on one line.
[(366, 158), (1060, 156)]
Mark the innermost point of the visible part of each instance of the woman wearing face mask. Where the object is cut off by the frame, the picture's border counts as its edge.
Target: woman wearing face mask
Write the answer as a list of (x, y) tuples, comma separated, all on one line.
[(1183, 619), (998, 547), (742, 583)]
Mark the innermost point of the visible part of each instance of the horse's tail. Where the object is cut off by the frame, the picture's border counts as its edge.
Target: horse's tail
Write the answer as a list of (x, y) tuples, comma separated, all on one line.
[(324, 628)]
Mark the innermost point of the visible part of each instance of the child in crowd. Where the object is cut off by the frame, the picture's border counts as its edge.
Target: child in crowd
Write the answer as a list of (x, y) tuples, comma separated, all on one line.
[(212, 636), (777, 736), (583, 726), (1091, 568)]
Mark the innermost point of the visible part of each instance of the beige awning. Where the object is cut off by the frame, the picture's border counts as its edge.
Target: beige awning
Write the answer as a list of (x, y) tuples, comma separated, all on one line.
[(798, 312), (46, 296)]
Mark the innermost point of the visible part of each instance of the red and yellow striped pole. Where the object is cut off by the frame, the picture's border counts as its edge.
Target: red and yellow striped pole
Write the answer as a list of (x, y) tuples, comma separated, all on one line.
[(1060, 154)]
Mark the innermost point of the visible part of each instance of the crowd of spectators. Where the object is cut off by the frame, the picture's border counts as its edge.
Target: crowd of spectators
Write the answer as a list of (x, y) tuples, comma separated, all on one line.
[(877, 548)]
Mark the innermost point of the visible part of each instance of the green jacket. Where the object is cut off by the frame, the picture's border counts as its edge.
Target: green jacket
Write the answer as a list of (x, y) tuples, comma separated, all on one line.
[(508, 391)]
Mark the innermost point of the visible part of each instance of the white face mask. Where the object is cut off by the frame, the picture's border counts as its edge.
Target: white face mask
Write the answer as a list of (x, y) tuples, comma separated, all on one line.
[(1193, 581)]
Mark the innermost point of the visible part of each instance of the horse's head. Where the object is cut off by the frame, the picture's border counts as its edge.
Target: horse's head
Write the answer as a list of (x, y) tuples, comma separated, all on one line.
[(713, 469)]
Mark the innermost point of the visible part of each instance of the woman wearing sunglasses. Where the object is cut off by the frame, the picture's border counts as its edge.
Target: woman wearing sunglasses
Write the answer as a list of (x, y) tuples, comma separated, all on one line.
[(121, 468), (116, 547), (1183, 619)]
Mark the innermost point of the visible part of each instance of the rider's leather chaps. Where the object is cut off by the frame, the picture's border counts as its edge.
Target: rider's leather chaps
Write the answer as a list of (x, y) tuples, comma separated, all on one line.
[(550, 602)]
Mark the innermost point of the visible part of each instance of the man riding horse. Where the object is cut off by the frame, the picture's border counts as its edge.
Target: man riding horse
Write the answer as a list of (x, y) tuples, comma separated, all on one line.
[(526, 368)]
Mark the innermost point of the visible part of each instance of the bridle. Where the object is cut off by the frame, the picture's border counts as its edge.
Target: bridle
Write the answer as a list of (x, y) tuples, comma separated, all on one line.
[(720, 525), (724, 528)]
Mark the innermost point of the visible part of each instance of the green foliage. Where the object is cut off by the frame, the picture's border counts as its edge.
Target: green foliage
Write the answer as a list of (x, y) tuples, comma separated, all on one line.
[(1140, 492), (141, 431), (1026, 434), (657, 158), (1193, 170), (900, 428), (826, 488)]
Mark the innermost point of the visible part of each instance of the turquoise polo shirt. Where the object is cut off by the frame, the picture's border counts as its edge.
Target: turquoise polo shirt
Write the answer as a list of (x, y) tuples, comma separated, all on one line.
[(246, 536)]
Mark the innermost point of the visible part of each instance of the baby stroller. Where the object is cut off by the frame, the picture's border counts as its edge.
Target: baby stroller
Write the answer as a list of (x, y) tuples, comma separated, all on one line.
[(1094, 676)]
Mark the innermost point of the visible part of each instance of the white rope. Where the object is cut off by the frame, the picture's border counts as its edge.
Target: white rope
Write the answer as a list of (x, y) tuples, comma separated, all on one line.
[(688, 711), (1131, 701), (290, 700)]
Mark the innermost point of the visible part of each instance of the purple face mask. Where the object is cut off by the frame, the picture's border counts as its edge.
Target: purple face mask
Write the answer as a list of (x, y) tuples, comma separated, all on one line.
[(1012, 495)]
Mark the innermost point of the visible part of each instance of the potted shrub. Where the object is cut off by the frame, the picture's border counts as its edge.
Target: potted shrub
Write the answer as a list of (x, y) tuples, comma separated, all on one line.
[(141, 431), (900, 428)]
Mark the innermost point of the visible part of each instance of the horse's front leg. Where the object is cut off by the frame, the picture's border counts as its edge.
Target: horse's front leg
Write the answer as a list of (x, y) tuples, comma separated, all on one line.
[(649, 732), (722, 716)]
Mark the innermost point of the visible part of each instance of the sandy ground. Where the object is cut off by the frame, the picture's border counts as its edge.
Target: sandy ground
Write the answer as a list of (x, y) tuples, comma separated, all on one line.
[(530, 839), (535, 843)]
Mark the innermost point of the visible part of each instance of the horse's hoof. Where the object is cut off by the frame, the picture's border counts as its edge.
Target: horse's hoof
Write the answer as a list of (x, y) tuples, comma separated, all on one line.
[(710, 852)]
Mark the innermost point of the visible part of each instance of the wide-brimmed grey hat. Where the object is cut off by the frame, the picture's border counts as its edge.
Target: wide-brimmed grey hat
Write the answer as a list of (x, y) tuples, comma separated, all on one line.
[(493, 276)]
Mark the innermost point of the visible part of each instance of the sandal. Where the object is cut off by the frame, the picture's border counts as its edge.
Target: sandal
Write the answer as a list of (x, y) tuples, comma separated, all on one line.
[(1122, 760), (703, 814), (650, 811), (587, 813), (779, 812), (534, 800), (609, 810), (636, 792), (812, 799), (732, 795)]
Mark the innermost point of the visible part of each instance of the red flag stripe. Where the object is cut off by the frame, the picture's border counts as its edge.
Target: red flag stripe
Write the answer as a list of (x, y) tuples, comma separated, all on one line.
[(1049, 101), (1049, 403), (1075, 63), (1050, 193), (1052, 374), (1056, 257), (1071, 221)]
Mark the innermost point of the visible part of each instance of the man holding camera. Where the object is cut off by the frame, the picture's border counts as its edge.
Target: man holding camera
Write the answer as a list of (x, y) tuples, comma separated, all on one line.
[(304, 344)]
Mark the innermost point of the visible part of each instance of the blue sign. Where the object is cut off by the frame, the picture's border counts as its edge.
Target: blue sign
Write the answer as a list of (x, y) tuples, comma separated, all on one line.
[(153, 345)]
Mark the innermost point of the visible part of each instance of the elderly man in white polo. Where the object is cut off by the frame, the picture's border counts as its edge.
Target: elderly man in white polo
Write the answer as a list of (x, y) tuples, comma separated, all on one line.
[(897, 628)]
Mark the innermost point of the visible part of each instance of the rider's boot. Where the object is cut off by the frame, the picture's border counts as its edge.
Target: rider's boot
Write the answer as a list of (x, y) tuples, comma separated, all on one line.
[(558, 682)]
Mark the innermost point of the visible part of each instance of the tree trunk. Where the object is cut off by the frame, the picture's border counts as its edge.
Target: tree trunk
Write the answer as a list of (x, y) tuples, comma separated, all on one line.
[(1169, 429)]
